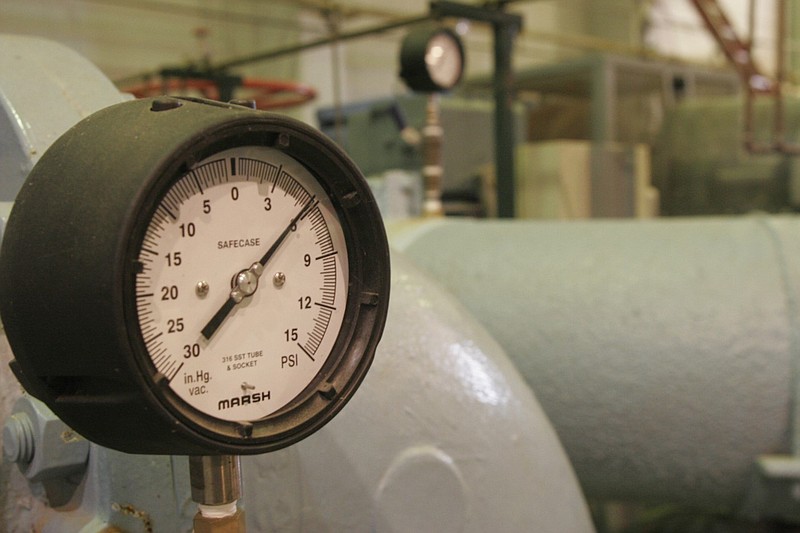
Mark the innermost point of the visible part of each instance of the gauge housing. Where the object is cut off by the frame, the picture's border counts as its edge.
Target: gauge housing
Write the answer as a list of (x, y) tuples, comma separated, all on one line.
[(432, 59), (67, 269)]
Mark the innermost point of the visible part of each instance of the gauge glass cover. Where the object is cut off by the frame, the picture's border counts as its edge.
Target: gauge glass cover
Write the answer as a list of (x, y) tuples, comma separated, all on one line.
[(443, 59), (204, 243)]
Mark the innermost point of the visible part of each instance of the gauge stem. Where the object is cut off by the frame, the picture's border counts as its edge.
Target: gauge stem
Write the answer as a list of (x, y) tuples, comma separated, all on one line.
[(216, 487)]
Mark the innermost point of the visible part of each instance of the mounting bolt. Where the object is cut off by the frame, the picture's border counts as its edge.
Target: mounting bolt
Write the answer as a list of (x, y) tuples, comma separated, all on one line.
[(18, 439), (244, 102), (42, 445), (165, 103), (327, 391), (201, 289)]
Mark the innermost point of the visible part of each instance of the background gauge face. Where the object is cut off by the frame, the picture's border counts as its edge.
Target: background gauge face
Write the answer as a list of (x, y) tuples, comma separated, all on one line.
[(431, 59), (207, 233), (217, 279), (443, 59)]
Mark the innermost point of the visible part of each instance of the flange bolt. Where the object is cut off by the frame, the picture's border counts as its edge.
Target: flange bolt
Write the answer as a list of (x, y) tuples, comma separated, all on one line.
[(18, 441)]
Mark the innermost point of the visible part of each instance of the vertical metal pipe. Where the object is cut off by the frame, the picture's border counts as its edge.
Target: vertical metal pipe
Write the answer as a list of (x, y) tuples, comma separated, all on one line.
[(506, 26), (780, 75), (432, 170), (750, 95), (504, 118)]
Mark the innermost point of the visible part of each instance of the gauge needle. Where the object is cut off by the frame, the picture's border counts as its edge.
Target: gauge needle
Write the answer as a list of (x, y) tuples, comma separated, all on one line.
[(246, 281)]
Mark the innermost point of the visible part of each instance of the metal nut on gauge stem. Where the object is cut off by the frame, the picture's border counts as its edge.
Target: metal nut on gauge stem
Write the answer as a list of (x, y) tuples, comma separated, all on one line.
[(215, 479)]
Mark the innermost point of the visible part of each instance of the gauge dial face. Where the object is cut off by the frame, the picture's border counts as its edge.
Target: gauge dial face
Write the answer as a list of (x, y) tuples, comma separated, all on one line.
[(241, 283), (443, 59)]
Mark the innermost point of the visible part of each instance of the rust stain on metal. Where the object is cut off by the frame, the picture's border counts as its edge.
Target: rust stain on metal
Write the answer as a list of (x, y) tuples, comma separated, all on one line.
[(130, 510)]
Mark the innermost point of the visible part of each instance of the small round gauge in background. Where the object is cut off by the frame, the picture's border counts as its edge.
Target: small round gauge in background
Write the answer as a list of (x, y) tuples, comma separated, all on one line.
[(431, 59)]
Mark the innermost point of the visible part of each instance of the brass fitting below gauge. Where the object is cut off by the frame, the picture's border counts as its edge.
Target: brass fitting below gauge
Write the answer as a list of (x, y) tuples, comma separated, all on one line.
[(234, 523)]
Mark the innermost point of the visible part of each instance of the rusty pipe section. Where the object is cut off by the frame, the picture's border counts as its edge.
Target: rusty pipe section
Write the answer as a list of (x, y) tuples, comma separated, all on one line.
[(665, 352), (756, 83), (760, 85)]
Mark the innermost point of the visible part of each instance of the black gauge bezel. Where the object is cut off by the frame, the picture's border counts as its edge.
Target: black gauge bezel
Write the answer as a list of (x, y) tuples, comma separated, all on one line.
[(316, 400), (115, 388), (414, 70)]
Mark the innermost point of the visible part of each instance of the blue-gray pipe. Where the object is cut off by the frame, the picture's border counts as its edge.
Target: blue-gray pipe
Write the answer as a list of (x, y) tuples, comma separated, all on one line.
[(664, 352)]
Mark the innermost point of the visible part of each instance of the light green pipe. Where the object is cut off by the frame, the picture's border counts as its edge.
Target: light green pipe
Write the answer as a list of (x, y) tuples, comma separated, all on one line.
[(664, 352)]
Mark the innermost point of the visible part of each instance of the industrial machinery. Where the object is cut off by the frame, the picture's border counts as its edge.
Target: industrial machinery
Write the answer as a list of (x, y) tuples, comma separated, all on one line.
[(160, 338), (110, 188), (664, 353)]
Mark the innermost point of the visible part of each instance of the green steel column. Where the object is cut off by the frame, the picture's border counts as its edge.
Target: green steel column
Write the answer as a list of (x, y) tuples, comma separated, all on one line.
[(504, 118), (506, 26)]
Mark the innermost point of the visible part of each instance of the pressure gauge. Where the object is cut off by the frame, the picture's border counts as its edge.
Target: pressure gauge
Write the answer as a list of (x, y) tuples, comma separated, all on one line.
[(188, 277), (432, 59)]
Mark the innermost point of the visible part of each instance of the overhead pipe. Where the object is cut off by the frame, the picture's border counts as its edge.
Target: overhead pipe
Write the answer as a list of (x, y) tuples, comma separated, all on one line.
[(505, 27)]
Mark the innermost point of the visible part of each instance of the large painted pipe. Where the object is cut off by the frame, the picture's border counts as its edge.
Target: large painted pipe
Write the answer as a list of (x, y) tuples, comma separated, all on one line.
[(443, 435), (664, 352)]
